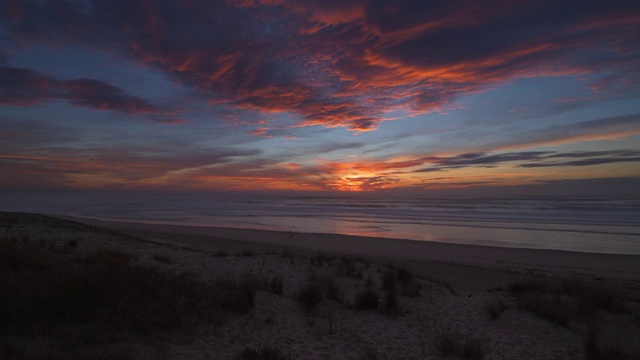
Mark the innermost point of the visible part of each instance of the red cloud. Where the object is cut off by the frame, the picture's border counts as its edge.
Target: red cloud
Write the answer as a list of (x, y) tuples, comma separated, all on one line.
[(346, 63), (23, 87)]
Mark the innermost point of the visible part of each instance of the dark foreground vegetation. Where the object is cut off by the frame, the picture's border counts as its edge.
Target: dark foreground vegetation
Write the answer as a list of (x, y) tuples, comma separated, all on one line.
[(60, 301), (576, 305), (57, 304)]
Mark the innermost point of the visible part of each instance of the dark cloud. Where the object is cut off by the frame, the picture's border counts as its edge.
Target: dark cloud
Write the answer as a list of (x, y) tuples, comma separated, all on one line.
[(595, 158), (532, 159), (592, 130), (341, 63), (61, 165), (24, 87), (329, 147), (598, 188)]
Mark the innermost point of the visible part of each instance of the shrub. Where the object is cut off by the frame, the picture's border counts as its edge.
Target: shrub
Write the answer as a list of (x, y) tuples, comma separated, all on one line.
[(595, 349), (451, 343), (412, 289), (553, 308), (389, 280), (276, 285), (405, 276), (495, 308), (562, 303), (22, 255), (163, 259), (527, 286), (320, 259), (590, 297), (105, 291), (247, 253), (391, 305), (310, 295), (108, 257), (220, 253), (367, 299), (264, 352), (331, 289), (347, 267)]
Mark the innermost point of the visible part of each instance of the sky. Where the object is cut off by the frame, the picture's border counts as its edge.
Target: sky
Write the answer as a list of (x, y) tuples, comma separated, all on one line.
[(416, 97)]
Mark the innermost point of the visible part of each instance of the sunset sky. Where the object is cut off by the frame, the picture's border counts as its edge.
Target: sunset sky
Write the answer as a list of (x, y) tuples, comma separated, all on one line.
[(411, 97)]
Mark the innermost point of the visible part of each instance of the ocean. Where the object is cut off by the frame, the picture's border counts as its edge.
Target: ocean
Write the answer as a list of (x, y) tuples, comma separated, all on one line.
[(585, 225)]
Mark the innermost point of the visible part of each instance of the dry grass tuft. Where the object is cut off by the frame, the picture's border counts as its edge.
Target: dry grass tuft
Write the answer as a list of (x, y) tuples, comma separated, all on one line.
[(220, 253), (366, 299), (310, 295), (276, 285), (495, 308), (451, 343), (572, 300), (596, 349), (316, 290), (163, 259), (53, 301), (263, 352)]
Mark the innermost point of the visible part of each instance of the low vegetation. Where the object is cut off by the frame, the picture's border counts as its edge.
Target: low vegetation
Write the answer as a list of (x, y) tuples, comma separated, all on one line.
[(561, 304), (366, 299), (220, 253), (58, 301), (163, 259), (263, 352), (452, 343), (403, 279), (597, 349), (316, 290), (495, 308), (276, 285)]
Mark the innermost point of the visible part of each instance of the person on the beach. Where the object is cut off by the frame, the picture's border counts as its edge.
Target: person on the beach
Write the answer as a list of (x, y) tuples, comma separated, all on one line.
[(290, 234)]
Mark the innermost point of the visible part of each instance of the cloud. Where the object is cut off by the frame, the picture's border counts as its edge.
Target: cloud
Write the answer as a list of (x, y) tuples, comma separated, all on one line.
[(486, 160), (587, 158), (100, 167), (343, 64), (533, 159), (24, 87)]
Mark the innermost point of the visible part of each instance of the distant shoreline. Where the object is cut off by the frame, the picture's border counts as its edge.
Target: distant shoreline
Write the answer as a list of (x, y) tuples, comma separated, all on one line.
[(561, 262)]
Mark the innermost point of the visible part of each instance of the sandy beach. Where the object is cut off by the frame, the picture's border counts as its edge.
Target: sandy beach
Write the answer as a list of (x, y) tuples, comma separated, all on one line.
[(463, 293), (517, 260)]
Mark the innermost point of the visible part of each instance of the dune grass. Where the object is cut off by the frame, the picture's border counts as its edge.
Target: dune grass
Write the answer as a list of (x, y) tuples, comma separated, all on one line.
[(495, 308), (566, 302), (452, 343), (57, 300), (263, 352), (316, 290)]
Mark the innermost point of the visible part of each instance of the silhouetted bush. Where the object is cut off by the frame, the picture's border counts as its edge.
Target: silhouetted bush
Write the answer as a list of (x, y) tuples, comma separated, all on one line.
[(595, 349), (495, 308), (391, 305), (310, 295), (220, 253), (163, 259), (331, 289), (561, 304), (389, 280), (366, 299), (103, 296), (527, 286), (276, 285), (248, 253), (451, 343), (264, 352)]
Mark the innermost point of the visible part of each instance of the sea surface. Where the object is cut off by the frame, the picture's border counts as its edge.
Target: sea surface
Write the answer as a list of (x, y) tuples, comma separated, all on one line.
[(585, 225)]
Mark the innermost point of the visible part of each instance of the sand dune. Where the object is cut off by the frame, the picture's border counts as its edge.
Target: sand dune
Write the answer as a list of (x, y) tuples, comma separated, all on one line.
[(455, 285)]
